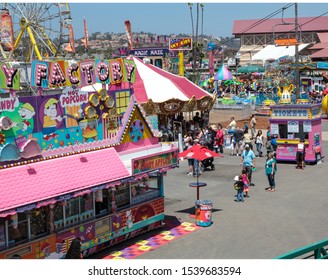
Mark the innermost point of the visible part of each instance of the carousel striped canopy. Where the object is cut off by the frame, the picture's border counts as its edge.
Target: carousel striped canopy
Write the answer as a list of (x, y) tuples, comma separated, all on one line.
[(223, 74)]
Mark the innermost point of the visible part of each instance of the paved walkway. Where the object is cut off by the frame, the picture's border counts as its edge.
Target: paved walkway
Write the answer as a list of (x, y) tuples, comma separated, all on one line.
[(264, 226)]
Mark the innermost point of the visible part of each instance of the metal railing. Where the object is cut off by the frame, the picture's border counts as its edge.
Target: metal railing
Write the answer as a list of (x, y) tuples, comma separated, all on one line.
[(313, 251)]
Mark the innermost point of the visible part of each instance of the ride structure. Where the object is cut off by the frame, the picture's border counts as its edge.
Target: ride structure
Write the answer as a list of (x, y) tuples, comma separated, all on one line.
[(34, 30)]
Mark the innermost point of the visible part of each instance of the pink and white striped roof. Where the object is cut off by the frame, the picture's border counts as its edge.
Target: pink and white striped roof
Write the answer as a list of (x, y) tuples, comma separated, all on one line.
[(160, 86)]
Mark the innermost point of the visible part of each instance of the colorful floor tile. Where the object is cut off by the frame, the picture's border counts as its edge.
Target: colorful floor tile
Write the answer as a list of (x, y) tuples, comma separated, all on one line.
[(169, 233)]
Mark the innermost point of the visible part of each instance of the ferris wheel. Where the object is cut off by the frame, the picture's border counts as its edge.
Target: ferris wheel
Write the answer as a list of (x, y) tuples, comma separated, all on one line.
[(40, 30)]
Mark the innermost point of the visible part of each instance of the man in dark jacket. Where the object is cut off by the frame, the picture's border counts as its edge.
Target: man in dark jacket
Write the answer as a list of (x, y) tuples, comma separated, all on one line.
[(238, 136)]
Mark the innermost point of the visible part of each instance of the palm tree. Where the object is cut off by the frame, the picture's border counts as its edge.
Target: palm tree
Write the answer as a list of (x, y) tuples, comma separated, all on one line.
[(196, 39), (192, 20)]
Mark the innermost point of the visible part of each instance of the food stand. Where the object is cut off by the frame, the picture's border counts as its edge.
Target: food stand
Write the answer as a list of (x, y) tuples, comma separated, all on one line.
[(77, 164), (292, 122)]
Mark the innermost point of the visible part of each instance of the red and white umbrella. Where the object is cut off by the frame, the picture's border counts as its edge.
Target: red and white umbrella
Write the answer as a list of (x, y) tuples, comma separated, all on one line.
[(199, 152)]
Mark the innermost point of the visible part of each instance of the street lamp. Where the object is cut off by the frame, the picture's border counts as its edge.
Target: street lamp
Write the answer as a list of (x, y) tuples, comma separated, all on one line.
[(297, 70)]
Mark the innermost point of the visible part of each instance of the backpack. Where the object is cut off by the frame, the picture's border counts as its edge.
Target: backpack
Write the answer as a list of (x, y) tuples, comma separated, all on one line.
[(236, 186), (207, 138)]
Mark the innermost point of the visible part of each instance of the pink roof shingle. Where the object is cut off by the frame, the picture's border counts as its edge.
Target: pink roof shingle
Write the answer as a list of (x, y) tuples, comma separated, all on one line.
[(323, 37), (31, 183), (320, 54)]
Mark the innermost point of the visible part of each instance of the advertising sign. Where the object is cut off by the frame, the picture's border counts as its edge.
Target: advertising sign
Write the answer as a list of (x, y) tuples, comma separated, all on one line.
[(179, 44)]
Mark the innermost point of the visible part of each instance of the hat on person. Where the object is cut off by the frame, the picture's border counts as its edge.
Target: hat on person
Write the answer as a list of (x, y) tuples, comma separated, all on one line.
[(246, 146), (28, 106), (50, 102)]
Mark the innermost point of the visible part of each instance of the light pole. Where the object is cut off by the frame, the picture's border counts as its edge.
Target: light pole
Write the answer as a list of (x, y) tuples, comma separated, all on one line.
[(193, 38), (297, 70)]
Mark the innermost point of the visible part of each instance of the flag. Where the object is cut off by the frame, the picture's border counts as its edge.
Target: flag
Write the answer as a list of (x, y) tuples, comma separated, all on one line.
[(68, 48), (151, 39), (71, 45), (85, 41), (6, 31), (137, 40), (158, 40), (128, 31), (164, 38)]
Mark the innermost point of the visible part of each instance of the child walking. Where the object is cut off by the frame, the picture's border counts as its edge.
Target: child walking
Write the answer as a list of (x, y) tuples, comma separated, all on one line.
[(239, 187), (245, 181)]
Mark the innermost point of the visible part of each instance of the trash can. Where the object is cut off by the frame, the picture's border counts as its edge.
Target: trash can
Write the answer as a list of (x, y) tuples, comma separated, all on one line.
[(203, 212)]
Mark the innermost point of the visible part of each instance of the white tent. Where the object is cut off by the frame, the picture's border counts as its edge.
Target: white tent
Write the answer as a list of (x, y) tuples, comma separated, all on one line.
[(271, 52)]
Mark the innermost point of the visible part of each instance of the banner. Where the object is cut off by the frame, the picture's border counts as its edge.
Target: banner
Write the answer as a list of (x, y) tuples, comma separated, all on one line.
[(7, 32), (85, 41), (71, 45), (128, 33)]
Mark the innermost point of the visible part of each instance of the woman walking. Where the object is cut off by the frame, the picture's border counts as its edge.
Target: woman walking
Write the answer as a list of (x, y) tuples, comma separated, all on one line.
[(259, 142), (270, 170)]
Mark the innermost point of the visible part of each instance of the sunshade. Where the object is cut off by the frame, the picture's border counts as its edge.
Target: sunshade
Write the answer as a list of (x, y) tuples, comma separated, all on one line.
[(223, 74)]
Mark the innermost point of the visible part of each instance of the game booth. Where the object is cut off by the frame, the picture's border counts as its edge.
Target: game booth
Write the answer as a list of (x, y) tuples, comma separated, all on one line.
[(77, 164), (291, 123)]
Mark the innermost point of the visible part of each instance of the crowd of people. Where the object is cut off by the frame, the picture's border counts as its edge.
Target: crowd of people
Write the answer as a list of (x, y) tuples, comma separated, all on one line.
[(248, 143)]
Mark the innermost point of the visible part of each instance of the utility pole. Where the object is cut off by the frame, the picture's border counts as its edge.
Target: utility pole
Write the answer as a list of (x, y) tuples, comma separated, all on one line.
[(297, 70)]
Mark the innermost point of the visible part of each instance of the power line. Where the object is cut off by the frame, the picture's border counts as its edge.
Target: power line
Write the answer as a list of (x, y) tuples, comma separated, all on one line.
[(291, 30), (260, 21)]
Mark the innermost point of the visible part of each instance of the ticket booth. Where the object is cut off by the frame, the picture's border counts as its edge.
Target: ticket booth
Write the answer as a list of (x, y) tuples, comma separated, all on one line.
[(290, 123)]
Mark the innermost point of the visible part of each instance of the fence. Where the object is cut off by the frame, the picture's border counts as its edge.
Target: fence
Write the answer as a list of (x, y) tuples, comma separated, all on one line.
[(221, 113), (314, 251)]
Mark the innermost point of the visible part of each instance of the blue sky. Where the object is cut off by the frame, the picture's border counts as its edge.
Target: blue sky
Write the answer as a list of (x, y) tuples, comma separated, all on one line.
[(167, 18)]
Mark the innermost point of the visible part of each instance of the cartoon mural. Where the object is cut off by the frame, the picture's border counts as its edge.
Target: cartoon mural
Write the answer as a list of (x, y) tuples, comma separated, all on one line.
[(62, 120)]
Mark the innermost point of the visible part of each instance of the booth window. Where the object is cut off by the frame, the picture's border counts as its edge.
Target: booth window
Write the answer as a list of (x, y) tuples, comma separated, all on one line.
[(17, 228), (122, 101), (58, 216), (102, 200), (38, 222), (145, 190), (86, 205), (301, 134), (2, 233), (72, 211), (283, 132), (122, 195)]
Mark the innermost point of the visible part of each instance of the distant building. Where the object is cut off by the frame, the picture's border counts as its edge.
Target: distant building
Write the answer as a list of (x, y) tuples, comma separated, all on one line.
[(255, 35)]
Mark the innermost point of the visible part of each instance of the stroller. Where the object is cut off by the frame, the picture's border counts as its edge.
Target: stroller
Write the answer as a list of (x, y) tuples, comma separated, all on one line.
[(206, 163)]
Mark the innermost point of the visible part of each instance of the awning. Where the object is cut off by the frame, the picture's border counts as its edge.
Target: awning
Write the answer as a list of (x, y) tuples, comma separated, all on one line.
[(38, 184), (160, 86), (272, 52), (250, 69)]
